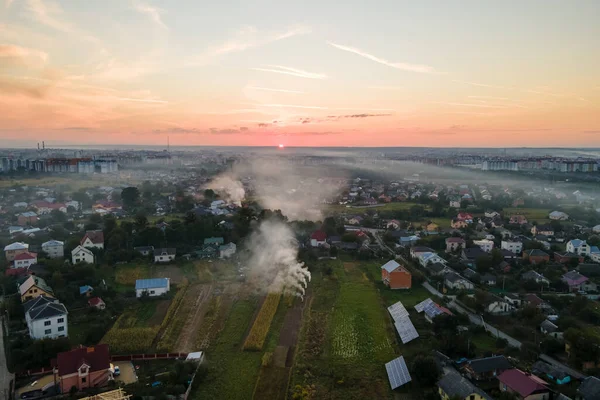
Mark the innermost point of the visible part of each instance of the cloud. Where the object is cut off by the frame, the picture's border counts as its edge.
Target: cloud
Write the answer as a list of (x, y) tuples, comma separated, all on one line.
[(151, 12), (243, 128), (483, 85), (386, 87), (591, 132), (26, 89), (21, 55), (279, 69), (291, 106), (77, 128), (471, 105), (178, 130), (47, 13), (359, 116), (275, 90), (426, 69), (216, 131), (143, 100)]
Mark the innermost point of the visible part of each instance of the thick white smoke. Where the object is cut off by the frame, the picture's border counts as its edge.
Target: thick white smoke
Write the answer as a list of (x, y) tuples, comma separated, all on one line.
[(229, 189), (273, 264)]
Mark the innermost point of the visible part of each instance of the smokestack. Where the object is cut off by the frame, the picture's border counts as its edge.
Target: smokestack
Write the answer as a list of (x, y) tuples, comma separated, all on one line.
[(43, 145), (38, 146)]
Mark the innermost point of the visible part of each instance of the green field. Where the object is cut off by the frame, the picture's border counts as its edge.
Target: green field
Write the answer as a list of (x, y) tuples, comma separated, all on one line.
[(399, 206), (534, 214)]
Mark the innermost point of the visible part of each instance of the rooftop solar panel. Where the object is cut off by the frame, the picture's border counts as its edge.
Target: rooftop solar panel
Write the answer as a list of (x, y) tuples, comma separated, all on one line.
[(419, 307), (397, 311), (397, 371), (432, 310), (406, 330)]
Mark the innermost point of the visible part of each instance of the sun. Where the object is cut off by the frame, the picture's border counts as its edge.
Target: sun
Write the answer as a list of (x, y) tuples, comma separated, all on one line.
[(281, 146)]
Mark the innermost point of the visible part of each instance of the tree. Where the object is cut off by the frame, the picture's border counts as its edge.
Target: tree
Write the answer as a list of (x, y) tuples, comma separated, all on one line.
[(58, 216), (424, 370), (141, 222), (130, 196)]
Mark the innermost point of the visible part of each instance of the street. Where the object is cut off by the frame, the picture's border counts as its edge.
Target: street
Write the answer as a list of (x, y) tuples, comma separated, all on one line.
[(5, 376)]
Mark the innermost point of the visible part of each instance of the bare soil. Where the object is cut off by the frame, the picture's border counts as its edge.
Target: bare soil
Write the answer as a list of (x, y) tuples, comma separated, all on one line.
[(159, 314), (196, 300)]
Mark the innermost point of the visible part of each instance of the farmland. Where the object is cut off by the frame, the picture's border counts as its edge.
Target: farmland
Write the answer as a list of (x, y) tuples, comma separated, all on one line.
[(260, 328), (398, 206), (533, 214)]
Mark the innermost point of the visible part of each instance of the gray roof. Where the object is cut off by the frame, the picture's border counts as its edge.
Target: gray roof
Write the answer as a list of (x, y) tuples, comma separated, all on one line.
[(489, 364), (165, 251), (590, 388), (548, 326), (453, 384), (390, 266), (44, 307)]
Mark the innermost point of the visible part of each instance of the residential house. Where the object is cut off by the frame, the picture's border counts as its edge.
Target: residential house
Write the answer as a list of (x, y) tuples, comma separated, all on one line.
[(81, 254), (33, 287), (464, 216), (14, 249), (454, 244), (503, 267), (318, 238), (392, 224), (27, 218), (144, 250), (93, 239), (454, 203), (356, 220), (470, 273), (458, 224), (566, 257), (432, 311), (430, 258), (558, 216), (86, 290), (548, 328), (496, 305), (227, 250), (97, 303), (485, 245), (579, 247), (523, 385), (536, 256), (488, 279), (416, 251), (534, 301), (395, 276), (513, 299), (551, 372), (152, 287), (54, 249), (408, 241), (514, 246), (589, 389), (473, 253), (484, 369), (452, 280), (46, 317), (164, 255), (432, 227), (596, 229), (535, 276), (437, 269), (25, 260), (83, 368), (578, 282), (518, 220), (454, 386), (546, 230), (492, 214)]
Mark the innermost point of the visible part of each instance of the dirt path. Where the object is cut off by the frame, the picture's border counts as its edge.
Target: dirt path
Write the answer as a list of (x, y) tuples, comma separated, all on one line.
[(200, 295)]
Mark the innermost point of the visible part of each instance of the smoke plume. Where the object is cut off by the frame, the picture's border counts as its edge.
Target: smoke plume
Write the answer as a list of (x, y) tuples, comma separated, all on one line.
[(229, 189)]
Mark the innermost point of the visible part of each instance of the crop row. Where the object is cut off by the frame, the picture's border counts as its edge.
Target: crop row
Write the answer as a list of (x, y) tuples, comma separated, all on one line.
[(130, 340), (260, 328), (128, 276), (173, 321)]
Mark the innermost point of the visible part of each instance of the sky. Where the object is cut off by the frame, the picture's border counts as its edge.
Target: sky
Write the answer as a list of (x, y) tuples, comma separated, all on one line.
[(467, 73)]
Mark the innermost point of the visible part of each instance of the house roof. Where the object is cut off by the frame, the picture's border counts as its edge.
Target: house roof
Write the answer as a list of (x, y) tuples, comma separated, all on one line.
[(34, 281), (84, 289), (574, 278), (81, 248), (488, 278), (536, 253), (532, 275), (436, 267), (522, 383), (38, 301), (548, 326), (165, 251), (97, 358), (144, 248), (45, 308), (590, 388), (51, 243), (390, 266), (96, 237), (16, 246), (26, 256), (453, 277), (472, 253), (155, 283), (319, 236), (214, 240), (453, 384), (533, 299), (455, 240), (566, 254), (489, 364), (541, 367), (95, 301)]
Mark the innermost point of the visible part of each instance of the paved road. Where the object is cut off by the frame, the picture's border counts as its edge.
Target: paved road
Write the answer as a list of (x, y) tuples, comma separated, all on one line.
[(5, 376)]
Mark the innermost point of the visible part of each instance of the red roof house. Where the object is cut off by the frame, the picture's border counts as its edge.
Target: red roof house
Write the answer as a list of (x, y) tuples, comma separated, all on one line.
[(522, 384), (93, 239), (97, 302), (84, 367), (318, 238)]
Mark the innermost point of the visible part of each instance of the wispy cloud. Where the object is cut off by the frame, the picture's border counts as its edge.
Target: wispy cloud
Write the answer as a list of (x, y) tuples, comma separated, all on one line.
[(483, 85), (48, 13), (398, 65), (279, 69), (290, 106), (364, 109), (376, 87), (470, 104), (275, 90), (10, 53), (151, 12), (143, 100)]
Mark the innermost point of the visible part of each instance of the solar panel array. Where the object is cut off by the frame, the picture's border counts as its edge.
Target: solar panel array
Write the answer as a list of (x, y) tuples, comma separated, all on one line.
[(398, 311), (432, 310), (419, 307), (397, 371), (406, 330)]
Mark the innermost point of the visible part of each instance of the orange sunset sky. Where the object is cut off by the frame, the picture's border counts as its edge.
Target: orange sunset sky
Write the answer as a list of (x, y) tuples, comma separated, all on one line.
[(312, 73)]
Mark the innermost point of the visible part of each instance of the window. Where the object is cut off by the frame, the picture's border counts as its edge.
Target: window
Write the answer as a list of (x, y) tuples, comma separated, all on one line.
[(152, 292), (61, 328), (47, 331), (47, 323), (60, 320), (83, 380), (472, 397)]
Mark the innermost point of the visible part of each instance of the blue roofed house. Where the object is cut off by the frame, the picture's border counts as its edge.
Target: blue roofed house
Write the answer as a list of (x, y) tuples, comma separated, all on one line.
[(430, 258), (152, 287), (217, 241), (86, 290), (408, 241)]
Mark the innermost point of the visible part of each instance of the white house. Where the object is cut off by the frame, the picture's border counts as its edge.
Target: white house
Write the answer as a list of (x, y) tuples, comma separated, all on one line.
[(578, 246), (454, 243), (455, 203), (54, 248), (227, 250), (496, 305), (72, 203), (93, 239), (164, 255), (25, 260), (318, 238), (430, 258), (558, 216), (81, 254), (485, 245), (512, 246), (217, 204), (453, 280), (492, 214), (46, 318), (152, 287)]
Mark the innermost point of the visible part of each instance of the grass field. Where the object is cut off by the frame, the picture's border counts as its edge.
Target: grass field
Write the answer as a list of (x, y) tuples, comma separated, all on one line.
[(399, 206), (126, 275), (534, 214)]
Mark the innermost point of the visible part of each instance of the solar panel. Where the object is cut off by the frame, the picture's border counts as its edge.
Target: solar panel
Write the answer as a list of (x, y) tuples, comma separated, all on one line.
[(406, 330), (432, 310), (397, 372), (397, 311), (419, 307)]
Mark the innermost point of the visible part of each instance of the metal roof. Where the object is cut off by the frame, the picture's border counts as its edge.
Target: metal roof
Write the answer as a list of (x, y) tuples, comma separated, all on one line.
[(397, 372), (419, 307), (397, 311), (406, 330), (151, 283), (390, 266)]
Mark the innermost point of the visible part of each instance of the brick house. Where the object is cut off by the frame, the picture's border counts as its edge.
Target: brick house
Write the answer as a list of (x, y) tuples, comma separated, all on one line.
[(536, 256), (395, 276), (83, 368), (566, 257)]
